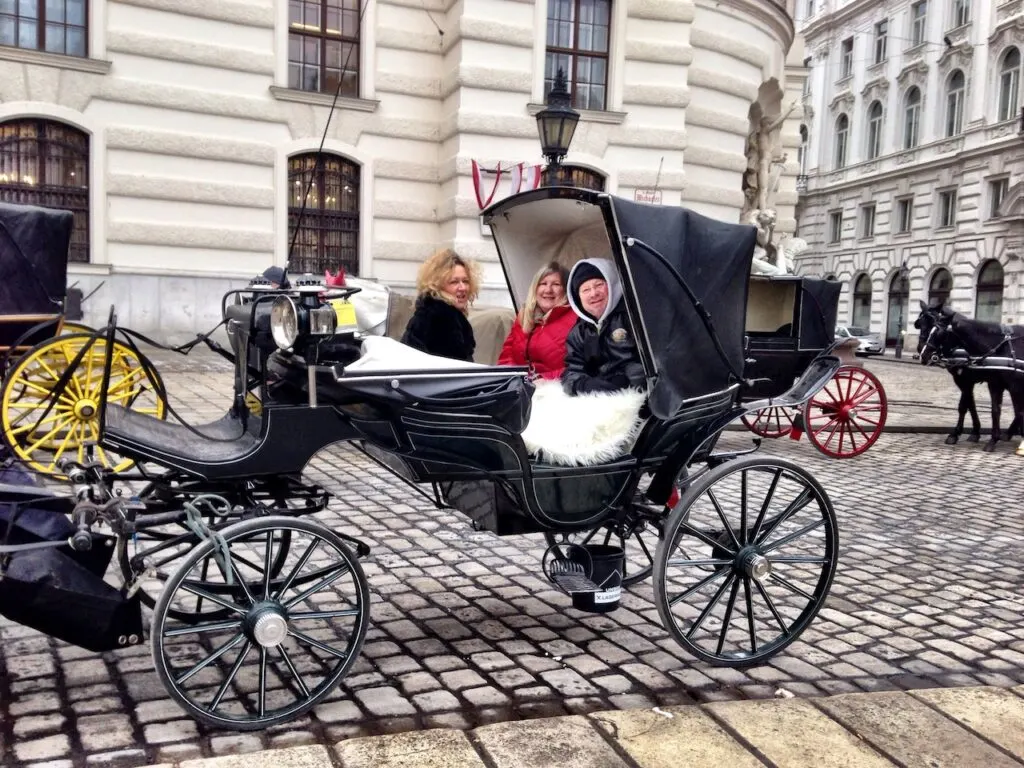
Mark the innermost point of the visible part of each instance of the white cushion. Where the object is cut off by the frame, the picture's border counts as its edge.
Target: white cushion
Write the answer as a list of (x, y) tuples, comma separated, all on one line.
[(381, 353)]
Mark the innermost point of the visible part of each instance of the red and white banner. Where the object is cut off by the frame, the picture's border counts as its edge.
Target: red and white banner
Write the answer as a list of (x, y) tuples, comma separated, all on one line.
[(522, 177)]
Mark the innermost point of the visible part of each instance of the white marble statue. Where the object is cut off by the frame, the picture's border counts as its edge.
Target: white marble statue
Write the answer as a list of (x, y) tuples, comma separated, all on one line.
[(762, 156)]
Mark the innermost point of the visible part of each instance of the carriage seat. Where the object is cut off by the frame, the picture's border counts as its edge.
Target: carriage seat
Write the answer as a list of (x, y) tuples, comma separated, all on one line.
[(384, 354)]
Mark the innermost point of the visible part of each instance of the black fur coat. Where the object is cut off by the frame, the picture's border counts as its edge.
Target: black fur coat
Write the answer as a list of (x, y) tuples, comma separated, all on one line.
[(438, 328)]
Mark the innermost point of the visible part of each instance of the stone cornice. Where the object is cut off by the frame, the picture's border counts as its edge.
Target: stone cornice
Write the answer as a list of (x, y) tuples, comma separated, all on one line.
[(770, 12)]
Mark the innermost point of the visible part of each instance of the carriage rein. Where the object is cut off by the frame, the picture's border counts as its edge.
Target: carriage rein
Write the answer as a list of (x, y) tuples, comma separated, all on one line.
[(972, 361)]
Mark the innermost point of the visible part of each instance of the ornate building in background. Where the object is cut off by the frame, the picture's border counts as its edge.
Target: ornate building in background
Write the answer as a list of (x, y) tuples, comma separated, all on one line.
[(183, 134), (914, 158)]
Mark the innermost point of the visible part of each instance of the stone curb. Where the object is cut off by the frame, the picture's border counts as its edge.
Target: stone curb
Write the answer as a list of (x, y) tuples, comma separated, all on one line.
[(941, 726)]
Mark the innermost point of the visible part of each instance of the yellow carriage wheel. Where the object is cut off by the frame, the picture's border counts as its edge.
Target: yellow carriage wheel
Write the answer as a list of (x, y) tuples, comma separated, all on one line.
[(43, 423)]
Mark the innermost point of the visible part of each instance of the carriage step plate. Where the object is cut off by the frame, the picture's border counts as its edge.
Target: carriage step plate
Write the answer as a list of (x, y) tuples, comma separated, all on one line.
[(574, 583)]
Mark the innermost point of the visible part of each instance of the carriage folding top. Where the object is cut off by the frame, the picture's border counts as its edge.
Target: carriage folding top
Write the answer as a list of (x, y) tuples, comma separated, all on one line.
[(33, 271), (681, 359)]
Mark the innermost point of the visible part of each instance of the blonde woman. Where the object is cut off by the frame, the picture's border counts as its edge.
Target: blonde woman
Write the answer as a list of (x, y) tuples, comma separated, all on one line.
[(446, 285), (537, 338)]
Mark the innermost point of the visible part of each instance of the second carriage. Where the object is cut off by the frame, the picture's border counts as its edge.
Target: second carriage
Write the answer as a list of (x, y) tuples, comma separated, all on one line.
[(790, 321), (259, 612)]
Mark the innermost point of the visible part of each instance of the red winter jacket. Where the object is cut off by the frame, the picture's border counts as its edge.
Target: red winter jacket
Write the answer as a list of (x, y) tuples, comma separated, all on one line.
[(543, 349)]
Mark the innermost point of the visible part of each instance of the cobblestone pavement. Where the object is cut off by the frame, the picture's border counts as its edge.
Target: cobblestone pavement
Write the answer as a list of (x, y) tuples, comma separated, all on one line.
[(466, 631)]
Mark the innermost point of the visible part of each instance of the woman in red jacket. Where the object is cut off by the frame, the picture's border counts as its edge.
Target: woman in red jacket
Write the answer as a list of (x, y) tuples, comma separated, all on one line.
[(537, 338)]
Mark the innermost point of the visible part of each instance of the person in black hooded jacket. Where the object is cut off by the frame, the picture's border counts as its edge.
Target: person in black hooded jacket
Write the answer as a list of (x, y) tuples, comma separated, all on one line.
[(447, 284), (601, 353)]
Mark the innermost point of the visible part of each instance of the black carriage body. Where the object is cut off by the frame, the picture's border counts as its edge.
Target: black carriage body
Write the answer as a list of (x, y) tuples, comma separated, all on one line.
[(34, 246), (790, 321)]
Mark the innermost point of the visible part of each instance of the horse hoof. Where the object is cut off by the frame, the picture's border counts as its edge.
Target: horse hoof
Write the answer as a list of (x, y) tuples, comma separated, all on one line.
[(951, 439), (973, 438), (989, 447)]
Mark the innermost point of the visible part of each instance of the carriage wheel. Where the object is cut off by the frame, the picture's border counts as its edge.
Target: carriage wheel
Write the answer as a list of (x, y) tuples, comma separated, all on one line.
[(638, 535), (288, 640), (847, 415), (40, 424), (776, 421), (747, 560)]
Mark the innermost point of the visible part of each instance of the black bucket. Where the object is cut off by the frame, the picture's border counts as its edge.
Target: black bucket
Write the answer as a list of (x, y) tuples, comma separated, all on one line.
[(604, 563)]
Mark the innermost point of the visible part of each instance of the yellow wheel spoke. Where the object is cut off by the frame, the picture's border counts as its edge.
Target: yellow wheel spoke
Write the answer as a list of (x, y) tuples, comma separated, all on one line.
[(49, 435), (34, 425)]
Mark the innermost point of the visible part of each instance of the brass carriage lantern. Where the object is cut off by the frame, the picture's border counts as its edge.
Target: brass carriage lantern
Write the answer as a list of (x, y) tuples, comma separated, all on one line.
[(556, 124)]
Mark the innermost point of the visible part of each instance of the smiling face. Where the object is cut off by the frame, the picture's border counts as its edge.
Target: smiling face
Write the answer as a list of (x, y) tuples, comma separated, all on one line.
[(550, 292), (457, 287), (594, 296)]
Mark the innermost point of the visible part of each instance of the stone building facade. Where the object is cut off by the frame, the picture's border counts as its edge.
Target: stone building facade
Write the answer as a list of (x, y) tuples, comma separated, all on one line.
[(182, 132), (913, 163)]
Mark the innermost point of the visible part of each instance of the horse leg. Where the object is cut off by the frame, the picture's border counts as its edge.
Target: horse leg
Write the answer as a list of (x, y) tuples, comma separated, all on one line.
[(995, 390), (1017, 402), (961, 408), (975, 435)]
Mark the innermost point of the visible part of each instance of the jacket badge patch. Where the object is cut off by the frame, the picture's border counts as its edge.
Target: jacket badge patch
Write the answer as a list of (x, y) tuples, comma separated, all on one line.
[(619, 335)]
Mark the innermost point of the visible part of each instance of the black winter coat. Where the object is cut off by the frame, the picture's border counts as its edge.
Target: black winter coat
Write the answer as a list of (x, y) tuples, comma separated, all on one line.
[(438, 328), (602, 361)]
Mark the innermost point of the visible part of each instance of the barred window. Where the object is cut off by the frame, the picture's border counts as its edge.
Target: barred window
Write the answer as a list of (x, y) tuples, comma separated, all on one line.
[(323, 46), (55, 26), (329, 232), (577, 43), (46, 163)]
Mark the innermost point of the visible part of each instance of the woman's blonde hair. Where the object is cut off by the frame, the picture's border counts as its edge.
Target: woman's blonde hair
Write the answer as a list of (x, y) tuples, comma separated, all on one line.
[(528, 316), (435, 271)]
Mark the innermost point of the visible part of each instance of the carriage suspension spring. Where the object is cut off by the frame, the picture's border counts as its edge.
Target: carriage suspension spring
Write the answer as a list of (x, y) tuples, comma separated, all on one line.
[(218, 506)]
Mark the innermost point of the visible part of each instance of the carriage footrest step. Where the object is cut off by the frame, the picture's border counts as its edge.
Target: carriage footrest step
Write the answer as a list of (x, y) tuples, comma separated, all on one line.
[(574, 583)]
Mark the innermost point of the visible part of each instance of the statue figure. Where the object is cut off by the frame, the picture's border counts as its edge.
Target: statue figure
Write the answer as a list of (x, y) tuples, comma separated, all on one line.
[(761, 156), (767, 259)]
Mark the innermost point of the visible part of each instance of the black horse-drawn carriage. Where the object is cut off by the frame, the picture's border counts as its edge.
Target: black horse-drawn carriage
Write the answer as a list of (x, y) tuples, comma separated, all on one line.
[(50, 368), (791, 320), (258, 611)]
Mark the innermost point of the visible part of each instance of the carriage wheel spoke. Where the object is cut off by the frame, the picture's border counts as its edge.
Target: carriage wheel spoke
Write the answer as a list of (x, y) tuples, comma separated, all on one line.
[(792, 536), (724, 519), (200, 666), (200, 629), (710, 606), (750, 614), (298, 567), (728, 615), (230, 676), (702, 583), (764, 506), (316, 643), (790, 586), (803, 559), (771, 607), (342, 569), (199, 592), (295, 673), (801, 501), (705, 538), (743, 507), (263, 682), (309, 615)]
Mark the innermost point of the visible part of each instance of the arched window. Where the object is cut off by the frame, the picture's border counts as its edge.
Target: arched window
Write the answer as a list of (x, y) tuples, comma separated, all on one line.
[(912, 118), (46, 163), (955, 88), (861, 316), (899, 296), (329, 232), (842, 136), (572, 176), (323, 46), (874, 130), (1009, 84), (939, 287), (989, 302)]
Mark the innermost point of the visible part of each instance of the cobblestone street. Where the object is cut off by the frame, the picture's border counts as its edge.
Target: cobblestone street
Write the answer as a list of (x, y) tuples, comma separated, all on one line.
[(465, 630)]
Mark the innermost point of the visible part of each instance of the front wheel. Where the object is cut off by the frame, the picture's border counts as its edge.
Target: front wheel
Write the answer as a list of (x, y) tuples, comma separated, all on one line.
[(291, 624), (847, 416), (747, 560)]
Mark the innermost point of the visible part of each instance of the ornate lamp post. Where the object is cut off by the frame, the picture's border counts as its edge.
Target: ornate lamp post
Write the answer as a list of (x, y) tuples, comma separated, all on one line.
[(904, 278), (556, 124)]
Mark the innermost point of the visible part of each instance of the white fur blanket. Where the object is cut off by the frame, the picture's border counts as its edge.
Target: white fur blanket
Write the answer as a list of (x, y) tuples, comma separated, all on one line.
[(582, 430)]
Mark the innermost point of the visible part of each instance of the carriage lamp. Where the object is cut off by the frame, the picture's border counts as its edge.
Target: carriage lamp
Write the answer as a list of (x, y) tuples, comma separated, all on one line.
[(289, 321), (556, 123)]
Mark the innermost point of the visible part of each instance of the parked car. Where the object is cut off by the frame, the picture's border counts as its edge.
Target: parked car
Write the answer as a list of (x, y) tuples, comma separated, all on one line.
[(870, 343)]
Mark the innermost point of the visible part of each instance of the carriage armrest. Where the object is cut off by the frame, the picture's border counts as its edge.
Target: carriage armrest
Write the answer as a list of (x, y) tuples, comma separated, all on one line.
[(816, 376), (225, 440)]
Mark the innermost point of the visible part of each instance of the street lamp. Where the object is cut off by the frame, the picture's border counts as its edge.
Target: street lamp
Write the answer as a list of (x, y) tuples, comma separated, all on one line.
[(905, 291), (556, 123)]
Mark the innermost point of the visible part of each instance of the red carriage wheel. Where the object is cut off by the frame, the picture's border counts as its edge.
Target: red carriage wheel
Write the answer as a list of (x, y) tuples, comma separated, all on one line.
[(846, 417), (770, 422)]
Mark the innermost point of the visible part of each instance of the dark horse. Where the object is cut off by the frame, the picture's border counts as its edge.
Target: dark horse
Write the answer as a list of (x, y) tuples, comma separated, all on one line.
[(974, 352)]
